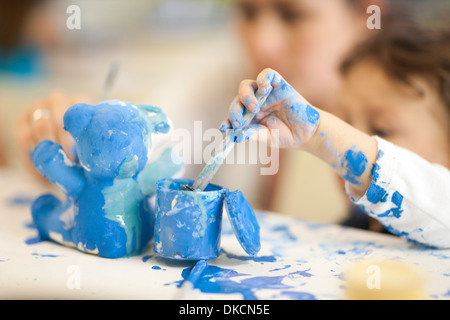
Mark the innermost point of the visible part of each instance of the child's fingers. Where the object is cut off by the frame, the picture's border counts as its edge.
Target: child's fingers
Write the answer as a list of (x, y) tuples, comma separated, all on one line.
[(226, 125), (268, 80), (247, 96), (250, 132), (41, 121), (236, 113), (59, 103)]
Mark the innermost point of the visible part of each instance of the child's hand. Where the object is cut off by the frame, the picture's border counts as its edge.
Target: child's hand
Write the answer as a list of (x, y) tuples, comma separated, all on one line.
[(349, 151), (44, 120), (285, 110)]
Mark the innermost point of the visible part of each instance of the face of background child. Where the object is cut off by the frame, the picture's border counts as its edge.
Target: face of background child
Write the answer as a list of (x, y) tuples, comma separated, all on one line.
[(304, 40), (379, 105)]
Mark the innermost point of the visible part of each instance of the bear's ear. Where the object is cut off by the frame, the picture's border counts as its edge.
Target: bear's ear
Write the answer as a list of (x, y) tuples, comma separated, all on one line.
[(77, 118)]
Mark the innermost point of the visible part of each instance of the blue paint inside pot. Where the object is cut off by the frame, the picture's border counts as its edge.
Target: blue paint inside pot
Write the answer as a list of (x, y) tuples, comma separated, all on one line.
[(188, 223)]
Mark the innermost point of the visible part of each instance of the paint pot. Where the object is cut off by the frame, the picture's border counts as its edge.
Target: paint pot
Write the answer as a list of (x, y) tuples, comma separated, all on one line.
[(188, 224)]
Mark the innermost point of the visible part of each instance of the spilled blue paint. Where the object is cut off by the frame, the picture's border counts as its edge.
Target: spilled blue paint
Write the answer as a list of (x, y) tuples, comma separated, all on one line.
[(282, 268), (146, 258), (222, 281), (249, 258), (34, 240), (284, 229), (45, 255), (298, 295)]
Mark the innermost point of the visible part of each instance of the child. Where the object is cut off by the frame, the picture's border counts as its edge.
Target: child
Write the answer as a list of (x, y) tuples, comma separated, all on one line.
[(397, 88)]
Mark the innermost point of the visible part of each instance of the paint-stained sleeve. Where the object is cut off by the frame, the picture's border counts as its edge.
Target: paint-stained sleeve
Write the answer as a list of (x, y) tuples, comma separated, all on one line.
[(409, 196)]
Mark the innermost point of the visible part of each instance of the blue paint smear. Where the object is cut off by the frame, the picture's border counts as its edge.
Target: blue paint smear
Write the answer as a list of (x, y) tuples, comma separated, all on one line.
[(34, 240), (376, 167), (145, 258), (285, 230), (305, 113), (219, 280), (156, 268), (45, 255), (283, 268), (249, 258), (396, 212), (356, 163), (19, 201), (298, 295), (376, 194)]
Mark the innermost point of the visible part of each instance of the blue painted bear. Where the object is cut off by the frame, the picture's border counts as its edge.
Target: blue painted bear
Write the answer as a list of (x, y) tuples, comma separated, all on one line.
[(122, 152)]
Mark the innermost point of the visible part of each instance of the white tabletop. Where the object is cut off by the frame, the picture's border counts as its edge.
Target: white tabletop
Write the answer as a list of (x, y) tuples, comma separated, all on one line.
[(298, 260)]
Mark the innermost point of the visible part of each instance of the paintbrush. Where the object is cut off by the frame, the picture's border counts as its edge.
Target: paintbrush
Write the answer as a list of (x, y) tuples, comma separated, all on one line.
[(110, 79), (190, 281), (208, 172)]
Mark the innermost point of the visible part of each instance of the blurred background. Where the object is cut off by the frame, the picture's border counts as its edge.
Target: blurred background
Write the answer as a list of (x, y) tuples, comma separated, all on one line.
[(183, 56)]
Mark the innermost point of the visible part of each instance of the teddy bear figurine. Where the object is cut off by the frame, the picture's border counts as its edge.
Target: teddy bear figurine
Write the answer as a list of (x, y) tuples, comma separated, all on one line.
[(122, 150)]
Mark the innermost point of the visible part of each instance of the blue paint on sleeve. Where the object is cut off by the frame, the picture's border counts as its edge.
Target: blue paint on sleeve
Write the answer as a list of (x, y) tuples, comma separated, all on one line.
[(355, 163), (376, 194)]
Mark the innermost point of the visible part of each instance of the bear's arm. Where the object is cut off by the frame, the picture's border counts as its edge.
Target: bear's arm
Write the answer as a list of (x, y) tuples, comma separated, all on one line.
[(52, 161)]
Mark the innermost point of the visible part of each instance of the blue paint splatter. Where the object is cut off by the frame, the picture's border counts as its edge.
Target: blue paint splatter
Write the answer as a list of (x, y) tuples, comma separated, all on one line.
[(376, 194), (19, 201), (396, 212), (219, 280), (251, 258), (146, 258), (45, 255), (285, 230), (34, 240), (298, 295), (283, 268)]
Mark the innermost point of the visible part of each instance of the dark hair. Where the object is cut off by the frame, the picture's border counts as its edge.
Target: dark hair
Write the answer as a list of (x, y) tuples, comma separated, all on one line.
[(13, 15), (407, 49)]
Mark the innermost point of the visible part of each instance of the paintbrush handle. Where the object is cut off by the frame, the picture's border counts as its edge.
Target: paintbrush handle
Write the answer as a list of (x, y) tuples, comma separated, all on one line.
[(208, 172), (110, 79), (213, 164)]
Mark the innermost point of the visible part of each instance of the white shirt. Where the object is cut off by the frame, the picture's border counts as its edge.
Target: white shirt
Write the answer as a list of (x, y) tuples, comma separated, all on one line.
[(409, 196)]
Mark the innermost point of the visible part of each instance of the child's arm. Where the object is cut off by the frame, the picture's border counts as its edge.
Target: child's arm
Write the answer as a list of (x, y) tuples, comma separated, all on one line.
[(349, 151), (407, 194)]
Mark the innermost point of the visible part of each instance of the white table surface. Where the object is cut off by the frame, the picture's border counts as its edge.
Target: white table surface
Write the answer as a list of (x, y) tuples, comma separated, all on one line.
[(298, 260)]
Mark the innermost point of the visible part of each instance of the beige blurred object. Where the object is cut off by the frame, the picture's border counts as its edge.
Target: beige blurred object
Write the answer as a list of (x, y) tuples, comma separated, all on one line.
[(308, 188), (384, 280)]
